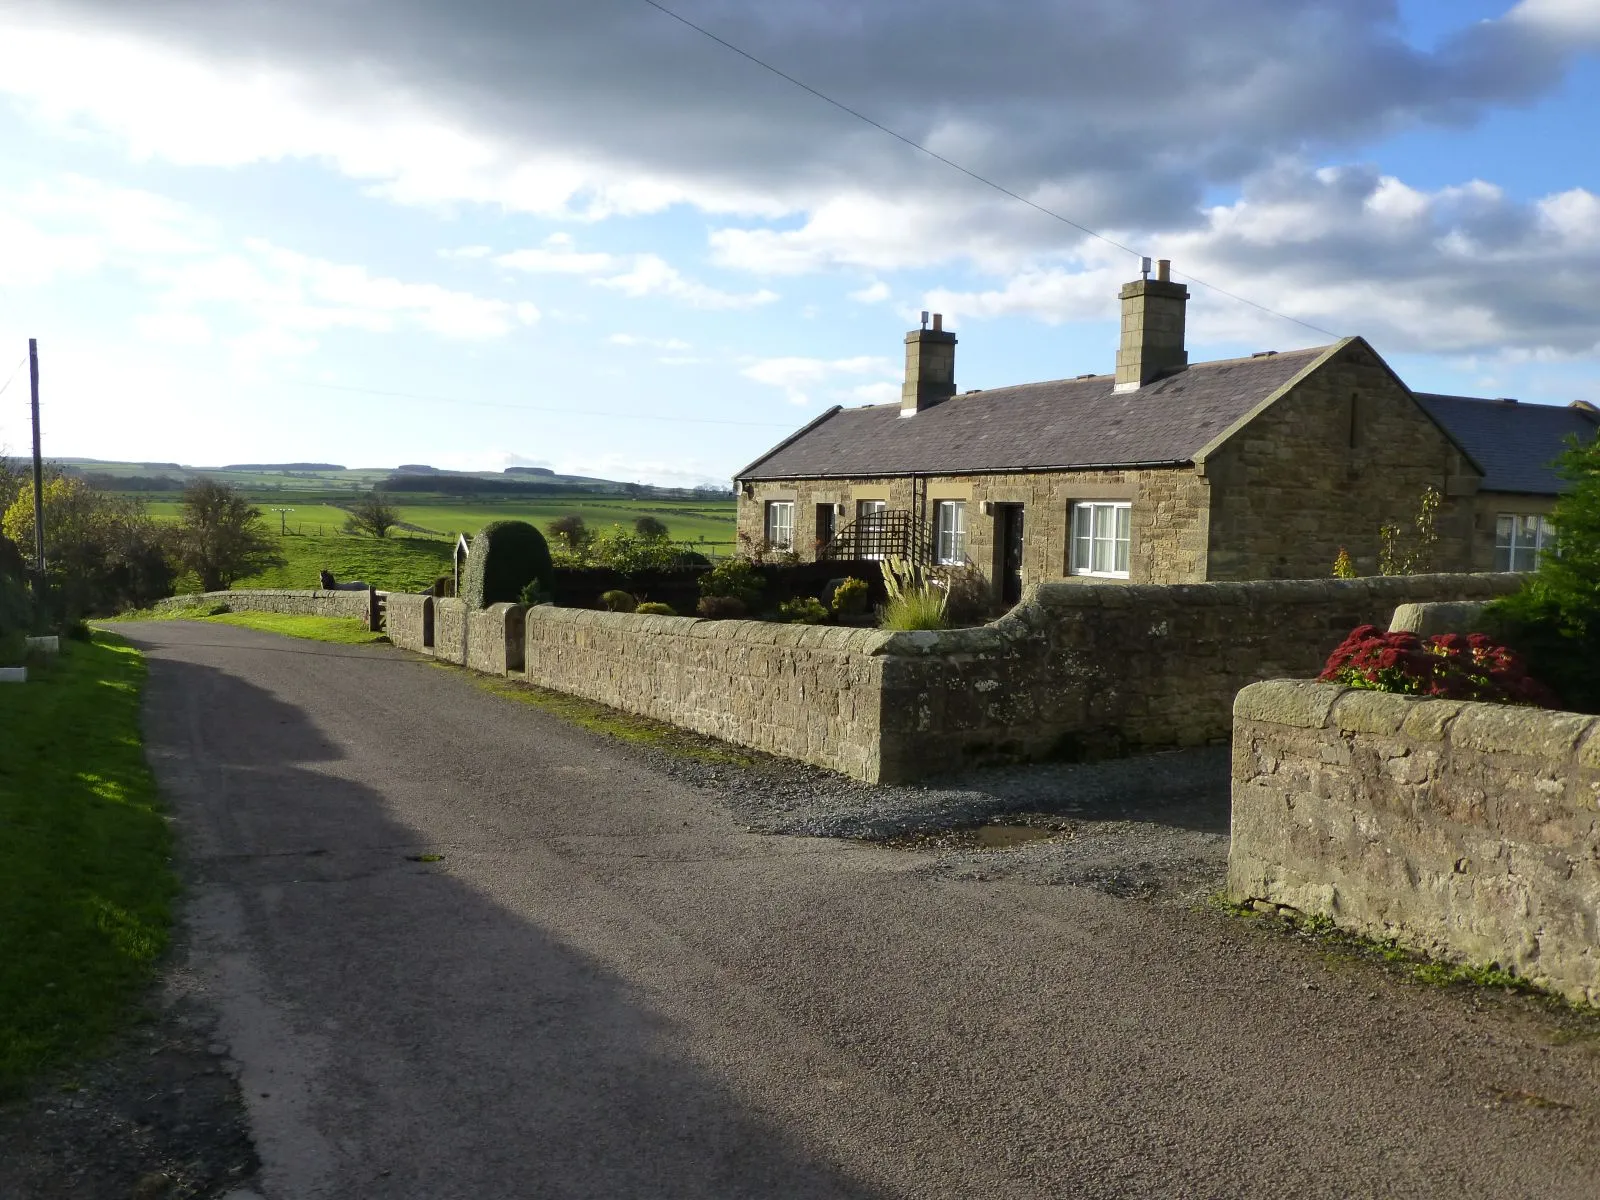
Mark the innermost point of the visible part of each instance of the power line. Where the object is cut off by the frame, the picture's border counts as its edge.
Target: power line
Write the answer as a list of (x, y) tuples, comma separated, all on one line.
[(574, 412), (13, 374), (971, 174)]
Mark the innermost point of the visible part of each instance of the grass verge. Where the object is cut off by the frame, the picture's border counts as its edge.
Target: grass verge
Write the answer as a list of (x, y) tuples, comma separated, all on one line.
[(1341, 946), (85, 879), (598, 718), (345, 631)]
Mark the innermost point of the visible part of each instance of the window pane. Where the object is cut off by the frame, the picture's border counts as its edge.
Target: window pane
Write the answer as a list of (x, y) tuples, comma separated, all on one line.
[(1502, 558), (1124, 520), (1503, 526), (1103, 521)]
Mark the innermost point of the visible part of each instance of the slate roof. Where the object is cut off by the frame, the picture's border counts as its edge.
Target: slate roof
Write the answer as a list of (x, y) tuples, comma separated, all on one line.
[(1513, 443), (1064, 423)]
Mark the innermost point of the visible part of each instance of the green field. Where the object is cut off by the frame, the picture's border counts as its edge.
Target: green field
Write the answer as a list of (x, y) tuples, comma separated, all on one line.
[(394, 564), (445, 516)]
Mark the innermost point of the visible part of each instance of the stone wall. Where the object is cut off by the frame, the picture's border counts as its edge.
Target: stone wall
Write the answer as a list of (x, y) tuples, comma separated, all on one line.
[(1465, 830), (450, 629), (494, 639), (809, 692), (1076, 671), (303, 603), (1345, 451), (408, 620), (1072, 671)]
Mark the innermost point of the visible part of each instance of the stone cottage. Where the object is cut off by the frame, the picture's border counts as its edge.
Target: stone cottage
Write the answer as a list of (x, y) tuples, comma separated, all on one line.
[(1163, 471)]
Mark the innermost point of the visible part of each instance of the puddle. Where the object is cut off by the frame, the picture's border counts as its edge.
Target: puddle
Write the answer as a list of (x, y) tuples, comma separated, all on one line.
[(1014, 829)]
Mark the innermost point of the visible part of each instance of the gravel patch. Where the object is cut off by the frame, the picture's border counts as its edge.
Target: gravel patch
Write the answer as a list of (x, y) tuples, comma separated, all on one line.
[(1148, 827)]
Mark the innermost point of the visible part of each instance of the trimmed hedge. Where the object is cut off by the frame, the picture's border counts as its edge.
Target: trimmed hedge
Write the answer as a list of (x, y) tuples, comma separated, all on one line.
[(506, 557)]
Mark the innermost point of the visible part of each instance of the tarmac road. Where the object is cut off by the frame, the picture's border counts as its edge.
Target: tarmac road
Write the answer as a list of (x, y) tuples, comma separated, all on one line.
[(605, 989)]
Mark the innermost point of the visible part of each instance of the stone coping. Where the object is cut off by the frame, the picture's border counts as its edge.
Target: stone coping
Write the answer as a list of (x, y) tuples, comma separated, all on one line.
[(1546, 734)]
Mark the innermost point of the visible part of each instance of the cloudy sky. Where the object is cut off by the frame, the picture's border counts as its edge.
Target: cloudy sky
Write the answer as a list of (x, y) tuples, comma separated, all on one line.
[(481, 233)]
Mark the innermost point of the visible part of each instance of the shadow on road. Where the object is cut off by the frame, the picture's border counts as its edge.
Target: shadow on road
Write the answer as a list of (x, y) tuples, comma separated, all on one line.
[(401, 1033)]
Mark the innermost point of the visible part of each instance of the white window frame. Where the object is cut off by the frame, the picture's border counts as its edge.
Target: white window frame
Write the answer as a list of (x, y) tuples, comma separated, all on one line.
[(773, 528), (950, 532), (864, 509), (1090, 546), (1521, 539)]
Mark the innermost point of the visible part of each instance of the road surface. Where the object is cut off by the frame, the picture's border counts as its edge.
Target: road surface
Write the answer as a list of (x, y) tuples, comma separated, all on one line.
[(605, 988)]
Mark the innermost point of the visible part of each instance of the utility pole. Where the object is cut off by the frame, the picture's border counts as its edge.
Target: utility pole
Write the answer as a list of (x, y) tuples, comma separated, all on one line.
[(38, 482)]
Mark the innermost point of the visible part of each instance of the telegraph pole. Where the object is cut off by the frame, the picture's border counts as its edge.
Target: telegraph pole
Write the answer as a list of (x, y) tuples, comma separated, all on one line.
[(38, 482)]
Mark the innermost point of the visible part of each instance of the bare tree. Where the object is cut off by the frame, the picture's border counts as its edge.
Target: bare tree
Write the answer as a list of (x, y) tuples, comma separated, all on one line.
[(373, 514)]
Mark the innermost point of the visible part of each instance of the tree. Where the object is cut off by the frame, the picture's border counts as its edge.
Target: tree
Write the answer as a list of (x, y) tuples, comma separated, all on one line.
[(650, 527), (220, 537), (572, 531), (1554, 620), (373, 514), (102, 552)]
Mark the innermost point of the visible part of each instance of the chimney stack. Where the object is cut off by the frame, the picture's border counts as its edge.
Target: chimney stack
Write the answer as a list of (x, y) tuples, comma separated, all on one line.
[(930, 368), (1152, 329)]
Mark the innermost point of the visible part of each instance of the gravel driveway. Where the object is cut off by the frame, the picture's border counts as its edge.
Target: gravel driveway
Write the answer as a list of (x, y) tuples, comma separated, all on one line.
[(454, 947)]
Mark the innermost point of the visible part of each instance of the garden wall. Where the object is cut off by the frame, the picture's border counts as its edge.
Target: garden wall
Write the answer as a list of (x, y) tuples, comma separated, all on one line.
[(1074, 671), (302, 603), (1088, 671), (1464, 830)]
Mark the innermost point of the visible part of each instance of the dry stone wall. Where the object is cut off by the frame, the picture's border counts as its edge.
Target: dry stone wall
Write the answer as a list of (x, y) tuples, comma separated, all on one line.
[(301, 603), (1465, 830)]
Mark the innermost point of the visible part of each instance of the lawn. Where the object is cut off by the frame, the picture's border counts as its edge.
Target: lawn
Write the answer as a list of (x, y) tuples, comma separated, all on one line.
[(85, 882)]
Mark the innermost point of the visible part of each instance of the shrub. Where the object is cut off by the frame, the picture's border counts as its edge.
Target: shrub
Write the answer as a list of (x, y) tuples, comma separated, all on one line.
[(535, 595), (617, 600), (721, 608), (733, 578), (650, 528), (655, 608), (691, 558), (850, 597), (1554, 621), (1451, 666), (506, 557), (803, 610), (915, 601), (1402, 552), (1343, 568)]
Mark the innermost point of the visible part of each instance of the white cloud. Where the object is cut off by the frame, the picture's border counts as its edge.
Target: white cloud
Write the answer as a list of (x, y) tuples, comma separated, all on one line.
[(654, 343), (798, 377), (875, 292), (652, 275), (1461, 268), (557, 256), (186, 268)]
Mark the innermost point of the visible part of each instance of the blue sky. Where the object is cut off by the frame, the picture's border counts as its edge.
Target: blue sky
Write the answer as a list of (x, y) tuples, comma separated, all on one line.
[(587, 237)]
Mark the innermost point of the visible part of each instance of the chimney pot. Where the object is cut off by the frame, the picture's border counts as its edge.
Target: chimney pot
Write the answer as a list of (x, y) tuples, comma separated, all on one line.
[(1164, 270), (938, 322)]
